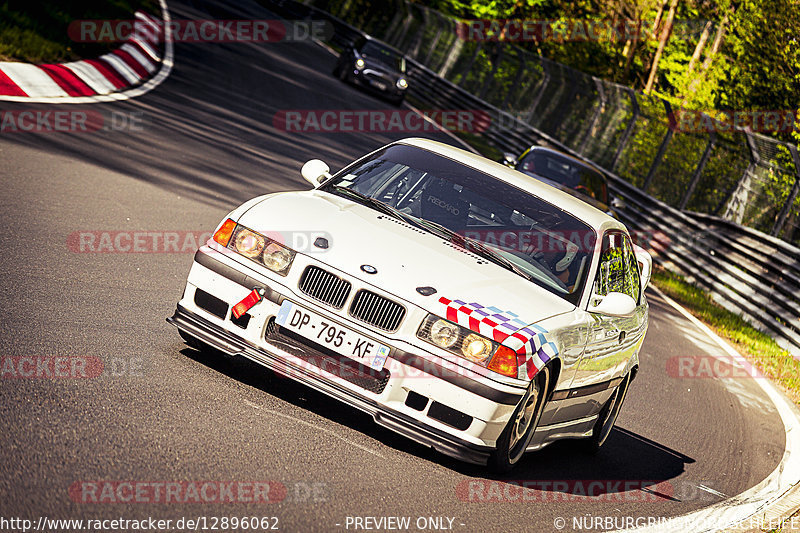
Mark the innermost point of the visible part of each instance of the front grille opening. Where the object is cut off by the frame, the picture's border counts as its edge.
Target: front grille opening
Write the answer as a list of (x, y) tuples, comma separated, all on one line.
[(449, 416), (325, 287), (210, 303), (242, 321), (377, 311), (341, 367), (416, 401)]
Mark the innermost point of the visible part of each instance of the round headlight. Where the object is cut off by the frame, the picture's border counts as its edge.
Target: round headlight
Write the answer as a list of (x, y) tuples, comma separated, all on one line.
[(402, 83), (248, 243), (360, 63), (444, 334), (276, 257), (476, 348)]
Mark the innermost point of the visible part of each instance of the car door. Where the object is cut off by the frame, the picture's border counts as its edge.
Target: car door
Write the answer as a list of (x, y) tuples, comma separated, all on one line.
[(613, 341)]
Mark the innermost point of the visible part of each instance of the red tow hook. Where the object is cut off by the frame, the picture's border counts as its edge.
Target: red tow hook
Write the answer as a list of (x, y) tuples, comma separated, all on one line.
[(255, 296)]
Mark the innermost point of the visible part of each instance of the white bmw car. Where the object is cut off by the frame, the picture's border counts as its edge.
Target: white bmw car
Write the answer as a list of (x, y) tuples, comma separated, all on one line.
[(457, 301)]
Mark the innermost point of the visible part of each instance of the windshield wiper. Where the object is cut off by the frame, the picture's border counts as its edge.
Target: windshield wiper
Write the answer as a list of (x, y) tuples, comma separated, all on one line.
[(375, 203), (475, 246)]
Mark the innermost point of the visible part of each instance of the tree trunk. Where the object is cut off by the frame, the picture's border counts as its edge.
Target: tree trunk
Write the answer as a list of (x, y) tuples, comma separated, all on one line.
[(662, 42), (700, 45), (657, 20), (710, 57)]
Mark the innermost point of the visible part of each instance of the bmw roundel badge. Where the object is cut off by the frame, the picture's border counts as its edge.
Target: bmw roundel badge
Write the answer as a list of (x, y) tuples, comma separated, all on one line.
[(369, 269)]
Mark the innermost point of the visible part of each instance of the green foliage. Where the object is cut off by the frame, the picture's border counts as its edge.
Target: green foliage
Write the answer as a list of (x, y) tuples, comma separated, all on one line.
[(36, 32)]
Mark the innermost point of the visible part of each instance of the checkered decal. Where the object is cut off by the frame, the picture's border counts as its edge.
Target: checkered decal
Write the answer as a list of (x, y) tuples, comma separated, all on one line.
[(529, 342)]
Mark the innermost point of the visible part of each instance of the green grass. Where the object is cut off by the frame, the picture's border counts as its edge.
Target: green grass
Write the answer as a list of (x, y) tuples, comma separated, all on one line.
[(36, 31), (759, 348)]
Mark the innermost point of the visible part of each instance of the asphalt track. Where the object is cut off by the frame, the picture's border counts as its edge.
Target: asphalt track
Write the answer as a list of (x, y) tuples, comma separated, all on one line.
[(161, 411)]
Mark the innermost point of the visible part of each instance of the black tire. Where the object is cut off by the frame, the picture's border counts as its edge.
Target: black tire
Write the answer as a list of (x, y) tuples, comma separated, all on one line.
[(517, 435), (608, 417), (397, 102), (343, 73)]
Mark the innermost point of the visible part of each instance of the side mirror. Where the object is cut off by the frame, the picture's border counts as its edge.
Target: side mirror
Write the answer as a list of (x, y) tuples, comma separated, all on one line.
[(509, 160), (614, 304), (315, 172), (645, 261), (617, 203)]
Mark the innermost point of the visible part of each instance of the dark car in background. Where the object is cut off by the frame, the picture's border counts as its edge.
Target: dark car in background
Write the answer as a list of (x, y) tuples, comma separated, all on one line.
[(375, 66), (566, 173)]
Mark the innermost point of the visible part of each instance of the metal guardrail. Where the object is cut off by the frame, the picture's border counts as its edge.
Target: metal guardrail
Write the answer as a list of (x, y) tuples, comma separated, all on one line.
[(745, 271)]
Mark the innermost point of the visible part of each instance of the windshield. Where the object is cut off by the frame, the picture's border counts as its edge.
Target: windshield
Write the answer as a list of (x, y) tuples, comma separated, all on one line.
[(501, 222), (372, 50), (567, 172)]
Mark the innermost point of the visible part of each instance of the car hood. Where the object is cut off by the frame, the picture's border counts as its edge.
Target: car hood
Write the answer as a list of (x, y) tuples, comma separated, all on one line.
[(405, 257), (386, 68)]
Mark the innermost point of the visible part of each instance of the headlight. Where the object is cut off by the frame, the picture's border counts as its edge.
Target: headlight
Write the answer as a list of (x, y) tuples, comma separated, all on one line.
[(476, 348), (360, 63), (457, 339), (249, 244), (277, 258), (444, 334), (255, 246), (402, 83)]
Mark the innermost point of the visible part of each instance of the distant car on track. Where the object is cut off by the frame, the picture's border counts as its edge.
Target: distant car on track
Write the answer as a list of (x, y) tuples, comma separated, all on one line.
[(567, 173), (375, 66), (456, 301)]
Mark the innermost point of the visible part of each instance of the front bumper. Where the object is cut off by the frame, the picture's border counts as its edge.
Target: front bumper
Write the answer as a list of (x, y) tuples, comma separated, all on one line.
[(489, 407), (359, 77), (225, 342)]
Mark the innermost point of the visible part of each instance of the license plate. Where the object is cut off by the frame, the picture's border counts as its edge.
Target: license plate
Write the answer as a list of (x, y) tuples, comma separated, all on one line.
[(379, 85), (341, 340)]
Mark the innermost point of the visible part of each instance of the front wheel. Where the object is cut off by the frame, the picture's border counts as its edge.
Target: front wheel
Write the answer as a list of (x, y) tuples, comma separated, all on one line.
[(608, 416), (517, 435)]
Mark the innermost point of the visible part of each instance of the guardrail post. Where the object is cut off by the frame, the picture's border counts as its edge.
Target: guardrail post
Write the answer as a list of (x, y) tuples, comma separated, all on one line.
[(628, 129), (787, 207), (698, 171), (661, 151), (471, 62), (517, 78), (393, 27), (542, 87), (439, 23), (490, 78), (595, 116), (417, 40), (755, 159), (404, 28)]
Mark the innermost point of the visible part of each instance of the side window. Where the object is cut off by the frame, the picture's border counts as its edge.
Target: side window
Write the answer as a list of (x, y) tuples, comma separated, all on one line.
[(611, 273), (618, 271), (632, 280)]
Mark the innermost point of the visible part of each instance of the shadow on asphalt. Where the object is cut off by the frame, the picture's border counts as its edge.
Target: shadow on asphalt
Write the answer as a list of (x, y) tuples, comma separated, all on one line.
[(624, 456)]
